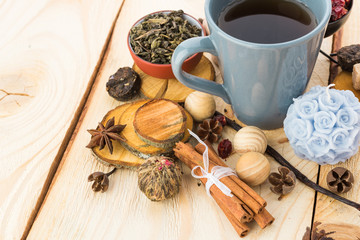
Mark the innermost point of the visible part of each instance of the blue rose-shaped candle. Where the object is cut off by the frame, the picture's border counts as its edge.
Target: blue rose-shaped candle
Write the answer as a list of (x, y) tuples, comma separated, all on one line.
[(323, 125)]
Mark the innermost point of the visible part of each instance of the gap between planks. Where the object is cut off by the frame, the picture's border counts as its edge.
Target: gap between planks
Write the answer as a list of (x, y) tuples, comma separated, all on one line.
[(333, 71), (315, 200), (74, 126)]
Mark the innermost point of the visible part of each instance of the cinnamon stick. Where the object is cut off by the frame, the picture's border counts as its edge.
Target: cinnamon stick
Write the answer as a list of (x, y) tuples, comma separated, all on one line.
[(187, 153), (264, 219), (241, 228), (233, 204), (215, 159), (300, 176)]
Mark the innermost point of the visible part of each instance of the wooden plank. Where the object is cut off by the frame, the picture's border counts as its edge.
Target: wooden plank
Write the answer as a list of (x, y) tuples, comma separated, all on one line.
[(73, 211), (49, 51), (334, 215), (294, 212)]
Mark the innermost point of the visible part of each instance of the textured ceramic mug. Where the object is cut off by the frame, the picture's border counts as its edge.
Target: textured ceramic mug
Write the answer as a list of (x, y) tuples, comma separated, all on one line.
[(260, 80)]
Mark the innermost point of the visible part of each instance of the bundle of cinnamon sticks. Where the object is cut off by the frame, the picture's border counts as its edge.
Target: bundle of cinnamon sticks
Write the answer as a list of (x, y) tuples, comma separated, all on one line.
[(244, 206)]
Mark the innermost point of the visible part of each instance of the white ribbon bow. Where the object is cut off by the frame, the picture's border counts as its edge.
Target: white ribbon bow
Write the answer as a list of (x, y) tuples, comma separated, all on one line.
[(216, 173)]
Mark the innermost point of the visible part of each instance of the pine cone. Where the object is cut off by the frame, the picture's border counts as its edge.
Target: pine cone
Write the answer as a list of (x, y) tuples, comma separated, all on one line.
[(282, 183), (210, 130), (340, 180)]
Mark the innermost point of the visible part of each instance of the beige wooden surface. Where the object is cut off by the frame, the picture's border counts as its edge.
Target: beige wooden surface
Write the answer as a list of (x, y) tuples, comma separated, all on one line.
[(49, 51), (341, 218), (46, 62)]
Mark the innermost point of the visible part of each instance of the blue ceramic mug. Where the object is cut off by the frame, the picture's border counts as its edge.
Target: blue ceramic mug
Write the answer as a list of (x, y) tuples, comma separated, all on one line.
[(260, 80)]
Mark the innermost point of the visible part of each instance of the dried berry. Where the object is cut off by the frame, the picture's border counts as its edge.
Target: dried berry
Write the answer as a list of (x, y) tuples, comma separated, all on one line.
[(124, 84), (101, 180), (339, 9), (225, 148), (221, 119), (349, 56), (104, 135), (282, 183), (159, 178), (340, 180), (210, 130)]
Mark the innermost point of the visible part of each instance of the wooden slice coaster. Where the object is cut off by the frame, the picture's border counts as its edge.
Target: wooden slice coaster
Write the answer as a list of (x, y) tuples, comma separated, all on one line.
[(134, 144), (172, 89), (120, 156), (343, 81), (151, 87), (189, 125), (160, 123)]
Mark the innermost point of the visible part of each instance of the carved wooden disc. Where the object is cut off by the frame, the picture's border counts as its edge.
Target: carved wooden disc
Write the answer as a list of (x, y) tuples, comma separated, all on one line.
[(130, 154), (160, 122), (343, 81), (134, 143), (120, 156), (152, 87)]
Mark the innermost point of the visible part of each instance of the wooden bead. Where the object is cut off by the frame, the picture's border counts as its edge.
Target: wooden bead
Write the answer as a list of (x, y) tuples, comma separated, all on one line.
[(253, 168), (250, 139), (200, 105)]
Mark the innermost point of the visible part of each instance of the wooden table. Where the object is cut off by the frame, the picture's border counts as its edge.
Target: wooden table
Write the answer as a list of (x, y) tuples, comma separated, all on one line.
[(55, 58)]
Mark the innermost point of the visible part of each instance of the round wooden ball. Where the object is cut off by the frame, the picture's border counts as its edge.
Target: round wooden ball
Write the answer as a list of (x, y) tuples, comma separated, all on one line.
[(253, 168)]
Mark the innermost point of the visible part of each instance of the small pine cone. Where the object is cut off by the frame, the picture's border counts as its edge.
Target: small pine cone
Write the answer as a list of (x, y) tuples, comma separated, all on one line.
[(283, 182), (159, 178), (210, 130)]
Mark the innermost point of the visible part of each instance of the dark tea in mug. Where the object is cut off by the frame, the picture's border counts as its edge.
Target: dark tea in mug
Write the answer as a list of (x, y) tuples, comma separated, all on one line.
[(266, 21)]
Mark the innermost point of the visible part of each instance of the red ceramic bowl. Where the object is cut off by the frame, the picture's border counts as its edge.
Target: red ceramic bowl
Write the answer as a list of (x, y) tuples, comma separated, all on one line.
[(164, 70)]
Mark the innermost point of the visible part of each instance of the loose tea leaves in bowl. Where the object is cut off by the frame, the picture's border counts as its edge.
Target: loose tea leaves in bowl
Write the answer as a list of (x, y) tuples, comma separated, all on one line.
[(156, 37)]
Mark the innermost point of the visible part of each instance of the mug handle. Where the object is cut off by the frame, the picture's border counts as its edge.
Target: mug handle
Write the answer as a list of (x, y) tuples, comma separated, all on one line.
[(186, 49)]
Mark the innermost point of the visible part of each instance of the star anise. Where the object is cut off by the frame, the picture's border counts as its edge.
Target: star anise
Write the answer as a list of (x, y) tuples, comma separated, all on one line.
[(210, 130), (282, 183), (340, 180), (315, 234), (103, 135)]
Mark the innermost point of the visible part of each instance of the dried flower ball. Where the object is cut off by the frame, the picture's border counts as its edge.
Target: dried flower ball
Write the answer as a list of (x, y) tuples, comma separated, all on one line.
[(159, 178)]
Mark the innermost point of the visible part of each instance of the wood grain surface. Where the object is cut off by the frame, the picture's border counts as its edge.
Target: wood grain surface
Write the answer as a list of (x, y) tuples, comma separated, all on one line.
[(120, 156), (152, 87), (333, 215), (51, 64), (71, 210), (160, 122), (294, 212), (49, 50)]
